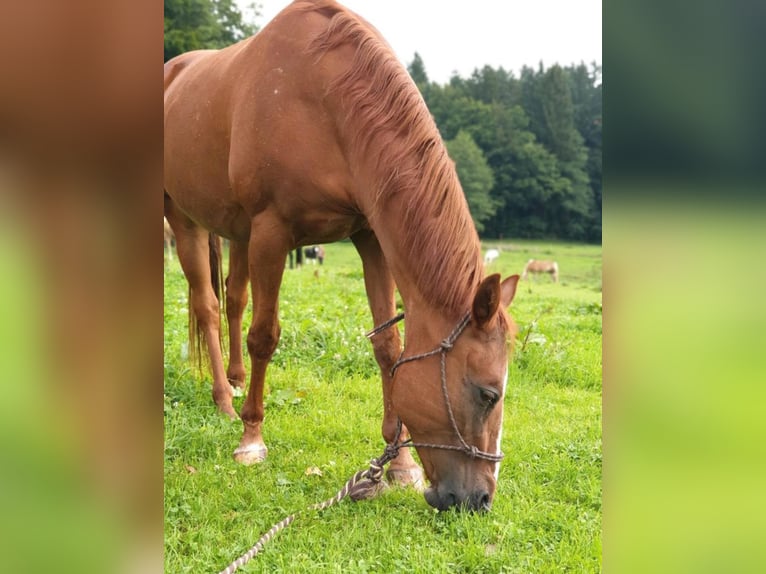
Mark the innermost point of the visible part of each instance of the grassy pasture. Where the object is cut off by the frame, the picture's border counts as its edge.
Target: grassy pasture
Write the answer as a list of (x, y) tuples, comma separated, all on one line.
[(323, 413)]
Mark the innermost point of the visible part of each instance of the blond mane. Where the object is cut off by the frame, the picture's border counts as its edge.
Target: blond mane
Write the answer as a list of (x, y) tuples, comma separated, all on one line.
[(391, 130)]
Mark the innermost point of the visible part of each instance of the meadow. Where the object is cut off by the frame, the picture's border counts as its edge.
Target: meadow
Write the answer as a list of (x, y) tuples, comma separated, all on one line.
[(323, 414)]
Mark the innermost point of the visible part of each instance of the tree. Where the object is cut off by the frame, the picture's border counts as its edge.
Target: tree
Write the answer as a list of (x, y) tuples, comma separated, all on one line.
[(493, 86), (586, 97), (527, 177), (475, 177), (199, 24), (564, 140), (417, 70)]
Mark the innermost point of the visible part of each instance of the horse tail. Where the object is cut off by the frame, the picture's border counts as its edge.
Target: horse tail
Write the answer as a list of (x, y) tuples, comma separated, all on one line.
[(197, 351), (216, 265)]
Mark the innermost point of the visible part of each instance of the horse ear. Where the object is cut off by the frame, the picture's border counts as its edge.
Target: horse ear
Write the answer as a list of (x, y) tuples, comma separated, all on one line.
[(508, 288), (486, 300)]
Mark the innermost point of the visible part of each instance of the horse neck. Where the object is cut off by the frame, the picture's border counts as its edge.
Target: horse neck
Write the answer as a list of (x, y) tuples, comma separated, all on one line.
[(435, 258), (404, 182)]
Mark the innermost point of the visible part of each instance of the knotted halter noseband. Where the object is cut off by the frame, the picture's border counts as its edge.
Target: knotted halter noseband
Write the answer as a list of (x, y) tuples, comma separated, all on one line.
[(444, 347)]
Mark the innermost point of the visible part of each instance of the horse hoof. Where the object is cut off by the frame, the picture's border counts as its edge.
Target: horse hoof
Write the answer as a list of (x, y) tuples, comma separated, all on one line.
[(250, 454), (407, 477), (366, 489)]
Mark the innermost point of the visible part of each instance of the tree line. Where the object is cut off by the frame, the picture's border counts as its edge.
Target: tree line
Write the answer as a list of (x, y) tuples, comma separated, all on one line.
[(205, 24), (527, 149)]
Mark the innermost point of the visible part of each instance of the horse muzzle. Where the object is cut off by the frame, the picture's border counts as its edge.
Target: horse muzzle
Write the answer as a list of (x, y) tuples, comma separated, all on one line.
[(444, 498)]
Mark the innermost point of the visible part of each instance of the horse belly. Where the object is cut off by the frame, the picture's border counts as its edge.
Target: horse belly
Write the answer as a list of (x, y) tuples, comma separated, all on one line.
[(325, 227), (196, 176)]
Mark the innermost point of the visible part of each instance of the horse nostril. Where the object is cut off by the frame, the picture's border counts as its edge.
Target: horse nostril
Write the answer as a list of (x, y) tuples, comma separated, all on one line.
[(440, 501), (479, 502)]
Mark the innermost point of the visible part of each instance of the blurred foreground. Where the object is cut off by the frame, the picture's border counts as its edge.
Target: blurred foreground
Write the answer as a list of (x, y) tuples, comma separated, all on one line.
[(80, 296)]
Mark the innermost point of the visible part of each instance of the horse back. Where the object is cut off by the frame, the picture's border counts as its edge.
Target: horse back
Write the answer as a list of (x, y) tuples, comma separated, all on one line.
[(249, 128), (175, 66)]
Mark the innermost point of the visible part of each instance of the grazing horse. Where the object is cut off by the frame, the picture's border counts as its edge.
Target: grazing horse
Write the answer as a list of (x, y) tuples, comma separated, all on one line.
[(311, 132), (314, 253), (490, 256), (536, 267)]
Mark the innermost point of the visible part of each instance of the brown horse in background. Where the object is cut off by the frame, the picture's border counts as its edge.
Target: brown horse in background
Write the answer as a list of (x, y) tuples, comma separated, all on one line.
[(537, 267), (310, 132)]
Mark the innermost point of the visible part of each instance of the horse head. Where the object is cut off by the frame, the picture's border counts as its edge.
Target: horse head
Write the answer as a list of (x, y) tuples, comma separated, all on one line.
[(451, 399)]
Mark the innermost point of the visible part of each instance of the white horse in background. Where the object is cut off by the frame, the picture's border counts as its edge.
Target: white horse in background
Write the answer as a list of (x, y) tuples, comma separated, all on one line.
[(490, 256), (536, 267)]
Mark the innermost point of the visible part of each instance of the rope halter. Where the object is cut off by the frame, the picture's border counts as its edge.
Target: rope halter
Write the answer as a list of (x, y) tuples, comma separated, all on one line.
[(444, 347)]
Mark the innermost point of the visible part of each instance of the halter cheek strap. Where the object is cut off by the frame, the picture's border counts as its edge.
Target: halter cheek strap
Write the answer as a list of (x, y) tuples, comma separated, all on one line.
[(444, 347), (383, 326)]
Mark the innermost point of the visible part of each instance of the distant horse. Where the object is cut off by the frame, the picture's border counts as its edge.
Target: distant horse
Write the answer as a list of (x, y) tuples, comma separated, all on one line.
[(536, 267), (310, 132), (314, 254), (490, 256), (169, 240)]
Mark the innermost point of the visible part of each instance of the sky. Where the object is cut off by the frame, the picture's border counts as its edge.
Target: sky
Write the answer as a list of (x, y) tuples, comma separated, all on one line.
[(461, 36)]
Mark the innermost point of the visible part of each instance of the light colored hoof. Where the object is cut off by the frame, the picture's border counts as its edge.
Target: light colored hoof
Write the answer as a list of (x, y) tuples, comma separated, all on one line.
[(412, 477), (366, 489), (250, 454), (237, 391)]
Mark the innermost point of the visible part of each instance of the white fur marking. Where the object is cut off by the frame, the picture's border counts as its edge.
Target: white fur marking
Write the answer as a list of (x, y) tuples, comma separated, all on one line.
[(500, 434)]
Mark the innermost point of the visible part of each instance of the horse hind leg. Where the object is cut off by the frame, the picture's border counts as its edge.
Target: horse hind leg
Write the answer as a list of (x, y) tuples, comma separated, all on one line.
[(193, 250), (236, 301)]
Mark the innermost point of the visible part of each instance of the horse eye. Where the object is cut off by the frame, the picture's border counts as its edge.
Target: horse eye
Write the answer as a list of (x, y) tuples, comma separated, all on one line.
[(489, 396)]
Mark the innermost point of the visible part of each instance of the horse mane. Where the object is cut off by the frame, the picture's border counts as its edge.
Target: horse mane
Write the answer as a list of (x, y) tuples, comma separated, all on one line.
[(390, 129)]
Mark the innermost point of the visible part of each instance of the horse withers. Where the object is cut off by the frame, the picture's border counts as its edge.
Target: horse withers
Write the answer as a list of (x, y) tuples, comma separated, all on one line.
[(537, 267), (311, 132)]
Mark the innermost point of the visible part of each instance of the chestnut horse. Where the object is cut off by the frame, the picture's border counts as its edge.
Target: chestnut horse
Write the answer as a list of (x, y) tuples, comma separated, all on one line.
[(311, 132), (536, 267)]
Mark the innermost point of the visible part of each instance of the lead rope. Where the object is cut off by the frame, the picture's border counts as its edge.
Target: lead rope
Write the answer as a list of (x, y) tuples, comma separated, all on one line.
[(374, 473)]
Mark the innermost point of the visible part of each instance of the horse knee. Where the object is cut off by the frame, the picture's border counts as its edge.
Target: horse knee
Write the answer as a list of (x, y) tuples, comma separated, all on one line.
[(261, 343), (386, 353)]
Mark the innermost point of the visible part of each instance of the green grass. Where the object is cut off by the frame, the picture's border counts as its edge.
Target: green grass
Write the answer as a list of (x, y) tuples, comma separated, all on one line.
[(323, 409)]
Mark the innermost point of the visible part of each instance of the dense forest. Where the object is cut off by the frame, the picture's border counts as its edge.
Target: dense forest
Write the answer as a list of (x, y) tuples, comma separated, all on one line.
[(527, 148)]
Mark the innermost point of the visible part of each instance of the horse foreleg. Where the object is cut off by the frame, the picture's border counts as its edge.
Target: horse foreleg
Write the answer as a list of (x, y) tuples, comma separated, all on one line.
[(387, 346), (236, 301), (192, 247), (266, 255)]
